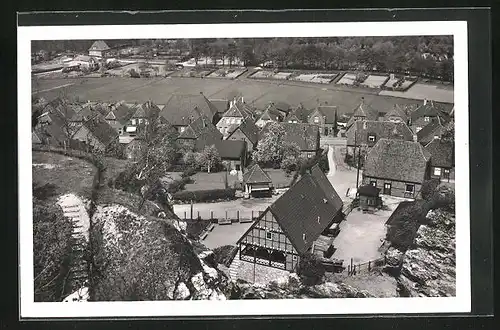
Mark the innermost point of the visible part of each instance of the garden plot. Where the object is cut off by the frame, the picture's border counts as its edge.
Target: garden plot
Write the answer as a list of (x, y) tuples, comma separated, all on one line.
[(192, 73), (304, 77), (347, 79), (227, 73), (262, 74), (374, 81), (323, 78), (282, 75), (390, 83)]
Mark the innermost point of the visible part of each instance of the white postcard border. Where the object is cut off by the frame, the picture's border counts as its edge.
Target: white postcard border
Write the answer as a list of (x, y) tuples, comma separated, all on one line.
[(460, 303)]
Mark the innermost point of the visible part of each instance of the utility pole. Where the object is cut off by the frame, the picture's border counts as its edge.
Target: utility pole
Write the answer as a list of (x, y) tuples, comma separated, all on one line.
[(359, 154)]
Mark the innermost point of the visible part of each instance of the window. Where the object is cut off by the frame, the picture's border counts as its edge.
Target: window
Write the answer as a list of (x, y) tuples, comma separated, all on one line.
[(237, 167), (133, 121), (369, 201), (371, 138), (409, 188), (269, 235), (418, 129), (316, 119), (373, 183), (294, 257), (437, 171), (181, 129), (426, 118), (140, 120)]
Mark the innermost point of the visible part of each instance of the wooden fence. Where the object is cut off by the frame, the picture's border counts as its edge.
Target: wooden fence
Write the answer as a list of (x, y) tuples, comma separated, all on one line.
[(214, 216), (354, 269)]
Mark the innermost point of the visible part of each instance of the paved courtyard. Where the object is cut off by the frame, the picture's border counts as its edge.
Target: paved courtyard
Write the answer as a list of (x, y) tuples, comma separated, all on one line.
[(360, 236), (225, 234)]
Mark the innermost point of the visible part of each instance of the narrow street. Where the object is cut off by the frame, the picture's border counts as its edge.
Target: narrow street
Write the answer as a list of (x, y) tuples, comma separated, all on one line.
[(340, 176)]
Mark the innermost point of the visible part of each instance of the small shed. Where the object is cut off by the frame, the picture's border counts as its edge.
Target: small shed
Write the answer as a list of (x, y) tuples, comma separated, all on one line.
[(257, 182), (369, 197)]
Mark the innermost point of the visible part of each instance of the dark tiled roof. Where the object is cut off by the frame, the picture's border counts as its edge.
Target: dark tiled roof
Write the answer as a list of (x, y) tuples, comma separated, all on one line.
[(381, 130), (221, 105), (328, 112), (398, 112), (181, 108), (368, 190), (430, 109), (239, 109), (146, 110), (201, 127), (64, 108), (301, 113), (87, 112), (228, 149), (441, 153), (432, 129), (271, 113), (53, 126), (101, 130), (304, 135), (282, 106), (256, 174), (122, 113), (397, 160), (365, 111), (326, 186), (248, 128), (306, 209), (99, 45)]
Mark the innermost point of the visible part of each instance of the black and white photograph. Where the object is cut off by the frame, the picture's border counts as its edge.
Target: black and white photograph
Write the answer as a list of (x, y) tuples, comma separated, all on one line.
[(252, 169)]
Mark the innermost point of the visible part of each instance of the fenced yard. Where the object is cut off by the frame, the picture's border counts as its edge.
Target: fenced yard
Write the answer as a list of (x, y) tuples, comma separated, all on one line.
[(347, 79), (425, 91), (360, 237), (374, 81), (208, 181)]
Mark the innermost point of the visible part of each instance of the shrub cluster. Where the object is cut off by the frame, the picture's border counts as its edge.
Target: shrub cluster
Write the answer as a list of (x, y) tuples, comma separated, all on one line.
[(225, 254), (205, 195), (310, 269), (178, 185)]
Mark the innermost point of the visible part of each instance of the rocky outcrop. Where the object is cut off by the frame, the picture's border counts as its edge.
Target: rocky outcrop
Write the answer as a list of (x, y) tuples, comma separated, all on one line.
[(428, 269)]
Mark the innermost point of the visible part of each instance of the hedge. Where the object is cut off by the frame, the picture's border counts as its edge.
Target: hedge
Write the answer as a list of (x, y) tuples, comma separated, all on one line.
[(205, 195)]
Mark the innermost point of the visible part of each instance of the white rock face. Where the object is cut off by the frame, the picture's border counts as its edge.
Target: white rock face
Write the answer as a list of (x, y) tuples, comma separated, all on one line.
[(74, 208), (81, 295), (182, 292), (198, 282)]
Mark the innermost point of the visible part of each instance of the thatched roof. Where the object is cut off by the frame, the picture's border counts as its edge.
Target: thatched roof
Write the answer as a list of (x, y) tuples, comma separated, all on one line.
[(306, 136), (441, 153), (363, 111), (397, 160), (181, 109)]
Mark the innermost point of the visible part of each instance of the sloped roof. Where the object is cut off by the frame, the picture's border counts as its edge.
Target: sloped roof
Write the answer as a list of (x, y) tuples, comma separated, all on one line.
[(327, 111), (221, 105), (87, 112), (239, 109), (122, 113), (365, 111), (84, 58), (35, 138), (228, 149), (306, 208), (99, 45), (368, 190), (325, 185), (54, 127), (181, 108), (146, 109), (441, 153), (201, 127), (101, 130), (381, 129), (256, 174), (271, 113), (304, 135), (300, 113), (397, 111), (429, 109), (397, 160), (66, 109), (248, 128), (427, 133), (282, 106)]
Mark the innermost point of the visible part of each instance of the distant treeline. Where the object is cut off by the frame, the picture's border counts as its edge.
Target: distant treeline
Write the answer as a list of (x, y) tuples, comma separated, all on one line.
[(425, 56)]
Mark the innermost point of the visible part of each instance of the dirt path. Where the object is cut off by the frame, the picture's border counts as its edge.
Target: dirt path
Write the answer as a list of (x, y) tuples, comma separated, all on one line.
[(331, 161)]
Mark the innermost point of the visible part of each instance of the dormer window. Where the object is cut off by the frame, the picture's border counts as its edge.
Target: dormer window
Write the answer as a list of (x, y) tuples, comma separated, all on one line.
[(371, 138), (316, 119), (426, 118)]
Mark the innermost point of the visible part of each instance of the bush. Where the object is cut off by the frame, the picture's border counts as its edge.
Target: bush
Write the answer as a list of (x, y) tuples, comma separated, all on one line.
[(405, 222), (323, 163), (429, 188), (225, 254), (178, 185), (310, 269), (205, 195), (189, 172), (134, 74)]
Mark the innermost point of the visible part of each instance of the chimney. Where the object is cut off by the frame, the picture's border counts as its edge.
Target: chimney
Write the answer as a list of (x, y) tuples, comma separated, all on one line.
[(364, 124), (391, 76), (425, 101), (415, 139), (319, 219), (304, 237)]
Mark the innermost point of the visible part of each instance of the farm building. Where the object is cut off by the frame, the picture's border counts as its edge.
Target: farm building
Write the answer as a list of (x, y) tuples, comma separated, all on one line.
[(119, 115), (325, 117), (433, 130), (246, 131), (257, 182), (96, 133), (200, 129), (99, 49), (234, 153), (363, 112), (368, 133), (397, 114), (271, 113), (369, 197), (84, 61), (397, 166), (426, 113), (87, 112), (442, 159), (143, 114), (297, 115), (221, 105), (306, 136), (238, 111), (292, 225), (182, 109)]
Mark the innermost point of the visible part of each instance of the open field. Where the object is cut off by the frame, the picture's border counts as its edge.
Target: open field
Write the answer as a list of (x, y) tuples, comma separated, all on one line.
[(69, 175), (425, 91), (254, 91), (208, 181)]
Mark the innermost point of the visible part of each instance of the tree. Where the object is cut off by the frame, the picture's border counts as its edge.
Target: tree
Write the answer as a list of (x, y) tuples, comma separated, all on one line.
[(310, 269), (335, 124), (209, 158), (273, 147)]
